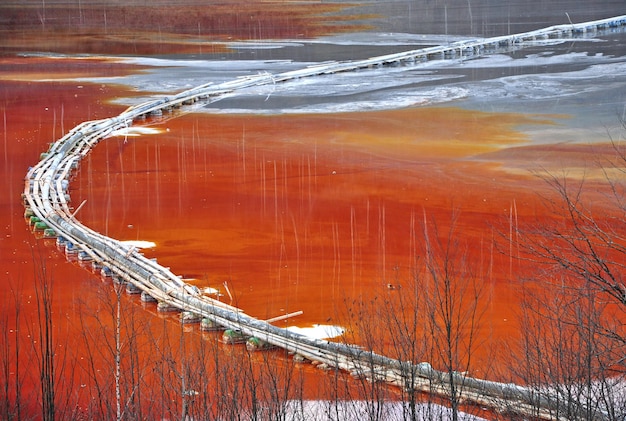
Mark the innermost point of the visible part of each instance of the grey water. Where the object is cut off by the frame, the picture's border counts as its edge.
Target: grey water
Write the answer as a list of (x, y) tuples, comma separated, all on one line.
[(583, 78)]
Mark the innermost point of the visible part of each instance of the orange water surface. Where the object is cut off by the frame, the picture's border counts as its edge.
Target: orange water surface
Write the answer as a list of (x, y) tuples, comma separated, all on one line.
[(319, 213), (314, 212)]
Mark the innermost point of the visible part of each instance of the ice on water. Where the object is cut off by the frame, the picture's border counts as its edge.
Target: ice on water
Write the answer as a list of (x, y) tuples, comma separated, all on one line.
[(560, 69)]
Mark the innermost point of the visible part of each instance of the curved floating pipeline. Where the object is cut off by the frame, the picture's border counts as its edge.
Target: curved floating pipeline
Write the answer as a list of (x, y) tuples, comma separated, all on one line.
[(48, 204)]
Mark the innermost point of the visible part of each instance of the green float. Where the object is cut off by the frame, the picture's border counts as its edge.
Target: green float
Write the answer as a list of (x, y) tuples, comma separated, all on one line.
[(231, 336), (40, 225)]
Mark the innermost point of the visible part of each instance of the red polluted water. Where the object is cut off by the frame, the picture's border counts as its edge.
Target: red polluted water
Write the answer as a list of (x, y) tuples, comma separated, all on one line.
[(332, 214), (316, 212)]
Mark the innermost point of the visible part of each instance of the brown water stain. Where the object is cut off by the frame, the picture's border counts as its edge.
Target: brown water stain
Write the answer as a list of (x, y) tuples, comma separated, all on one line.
[(593, 161), (66, 69), (185, 28)]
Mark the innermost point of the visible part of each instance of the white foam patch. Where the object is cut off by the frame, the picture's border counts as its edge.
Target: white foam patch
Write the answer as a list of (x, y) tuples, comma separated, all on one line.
[(223, 65), (210, 291), (134, 131), (263, 45), (318, 331), (373, 102), (368, 39), (532, 60), (139, 244), (552, 85)]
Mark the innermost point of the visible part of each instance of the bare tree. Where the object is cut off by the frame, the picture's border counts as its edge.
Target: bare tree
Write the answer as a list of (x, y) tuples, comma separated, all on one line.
[(11, 376), (453, 306), (117, 359), (405, 314), (45, 349), (56, 367), (566, 355), (574, 338), (429, 315), (368, 328)]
